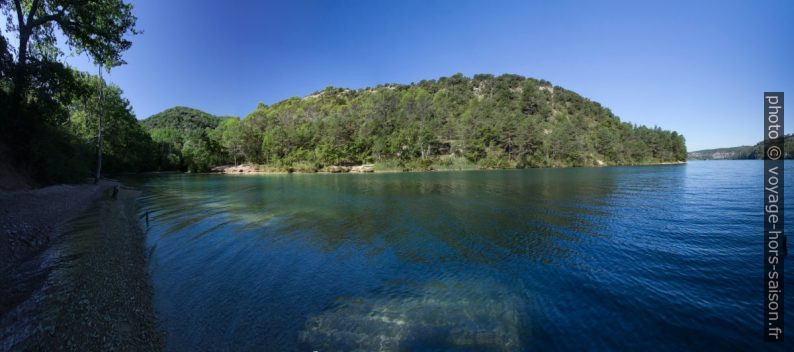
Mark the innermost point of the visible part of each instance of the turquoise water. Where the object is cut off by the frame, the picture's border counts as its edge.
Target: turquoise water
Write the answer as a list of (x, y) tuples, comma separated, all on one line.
[(648, 257)]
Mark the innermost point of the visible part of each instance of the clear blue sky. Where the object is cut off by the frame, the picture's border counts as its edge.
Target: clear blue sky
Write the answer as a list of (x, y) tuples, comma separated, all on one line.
[(696, 67)]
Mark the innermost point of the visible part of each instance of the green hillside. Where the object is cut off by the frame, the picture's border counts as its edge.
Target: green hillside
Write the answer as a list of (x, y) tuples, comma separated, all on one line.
[(485, 121), (180, 118), (180, 133)]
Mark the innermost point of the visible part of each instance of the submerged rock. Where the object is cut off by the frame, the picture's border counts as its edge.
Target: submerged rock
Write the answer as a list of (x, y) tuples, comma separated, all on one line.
[(440, 316)]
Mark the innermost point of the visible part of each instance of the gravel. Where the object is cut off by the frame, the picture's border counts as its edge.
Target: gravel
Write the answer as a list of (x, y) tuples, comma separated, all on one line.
[(73, 271), (28, 223), (28, 218)]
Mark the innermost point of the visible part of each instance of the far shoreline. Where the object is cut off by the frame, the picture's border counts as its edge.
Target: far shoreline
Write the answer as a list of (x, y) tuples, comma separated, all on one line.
[(391, 171), (398, 171)]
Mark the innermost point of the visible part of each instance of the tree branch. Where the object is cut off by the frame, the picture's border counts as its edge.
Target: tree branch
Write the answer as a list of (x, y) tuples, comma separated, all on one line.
[(20, 16), (33, 9), (44, 19)]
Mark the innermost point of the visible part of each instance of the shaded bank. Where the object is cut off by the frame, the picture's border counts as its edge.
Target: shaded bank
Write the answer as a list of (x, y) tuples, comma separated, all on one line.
[(29, 219), (87, 286)]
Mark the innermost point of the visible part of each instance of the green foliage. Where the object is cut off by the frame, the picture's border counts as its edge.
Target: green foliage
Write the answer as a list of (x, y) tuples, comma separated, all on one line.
[(182, 119), (199, 151), (303, 166), (126, 146), (98, 27), (493, 122), (38, 93), (449, 162), (192, 140)]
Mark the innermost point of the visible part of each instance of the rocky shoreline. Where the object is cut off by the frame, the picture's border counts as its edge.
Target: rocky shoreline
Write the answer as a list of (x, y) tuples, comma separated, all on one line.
[(82, 283), (246, 169), (260, 169)]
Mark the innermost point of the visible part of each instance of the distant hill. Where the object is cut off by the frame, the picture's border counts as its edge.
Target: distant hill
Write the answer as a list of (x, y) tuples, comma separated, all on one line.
[(732, 153), (183, 136), (181, 118), (741, 152)]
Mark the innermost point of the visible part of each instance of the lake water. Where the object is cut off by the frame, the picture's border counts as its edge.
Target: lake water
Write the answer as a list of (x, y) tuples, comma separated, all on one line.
[(647, 257)]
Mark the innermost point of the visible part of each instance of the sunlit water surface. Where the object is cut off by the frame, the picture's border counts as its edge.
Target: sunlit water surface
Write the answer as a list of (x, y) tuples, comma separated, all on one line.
[(651, 257)]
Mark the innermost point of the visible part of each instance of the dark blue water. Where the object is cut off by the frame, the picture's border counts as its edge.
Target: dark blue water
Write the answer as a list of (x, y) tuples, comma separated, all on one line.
[(649, 257)]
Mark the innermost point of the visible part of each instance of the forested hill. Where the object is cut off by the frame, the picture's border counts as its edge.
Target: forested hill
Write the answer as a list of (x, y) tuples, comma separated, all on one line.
[(181, 118), (485, 121), (742, 152)]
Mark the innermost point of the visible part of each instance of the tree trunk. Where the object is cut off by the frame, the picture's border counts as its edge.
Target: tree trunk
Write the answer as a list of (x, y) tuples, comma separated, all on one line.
[(99, 140), (16, 131), (99, 153), (20, 73)]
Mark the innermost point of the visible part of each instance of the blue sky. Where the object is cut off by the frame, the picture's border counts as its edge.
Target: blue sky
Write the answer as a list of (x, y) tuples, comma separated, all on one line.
[(699, 68)]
